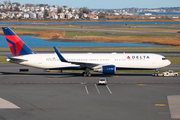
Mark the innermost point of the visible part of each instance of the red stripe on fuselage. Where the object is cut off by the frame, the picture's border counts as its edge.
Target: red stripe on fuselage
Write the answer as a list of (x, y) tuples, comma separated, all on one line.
[(18, 43)]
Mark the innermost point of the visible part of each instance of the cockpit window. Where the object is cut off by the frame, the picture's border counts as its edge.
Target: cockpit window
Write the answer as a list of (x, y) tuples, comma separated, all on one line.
[(164, 58)]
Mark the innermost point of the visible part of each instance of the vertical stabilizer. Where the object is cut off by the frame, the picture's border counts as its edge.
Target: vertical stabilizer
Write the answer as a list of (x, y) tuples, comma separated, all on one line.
[(16, 45)]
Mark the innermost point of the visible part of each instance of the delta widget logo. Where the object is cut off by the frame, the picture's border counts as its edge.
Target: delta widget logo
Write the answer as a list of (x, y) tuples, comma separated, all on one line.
[(138, 57)]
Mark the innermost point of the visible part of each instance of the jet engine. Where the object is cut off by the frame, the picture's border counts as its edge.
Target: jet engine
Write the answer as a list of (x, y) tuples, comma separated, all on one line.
[(108, 69)]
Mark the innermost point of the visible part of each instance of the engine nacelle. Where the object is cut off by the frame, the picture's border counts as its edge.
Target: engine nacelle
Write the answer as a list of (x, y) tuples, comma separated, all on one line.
[(108, 69)]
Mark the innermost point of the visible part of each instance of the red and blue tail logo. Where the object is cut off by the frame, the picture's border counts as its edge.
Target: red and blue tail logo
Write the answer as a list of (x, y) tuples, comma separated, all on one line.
[(16, 45)]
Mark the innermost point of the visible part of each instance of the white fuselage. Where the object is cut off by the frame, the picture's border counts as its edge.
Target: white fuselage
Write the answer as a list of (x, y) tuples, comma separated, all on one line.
[(120, 60)]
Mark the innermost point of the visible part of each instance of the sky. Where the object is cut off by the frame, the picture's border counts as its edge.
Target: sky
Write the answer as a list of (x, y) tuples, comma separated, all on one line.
[(106, 4)]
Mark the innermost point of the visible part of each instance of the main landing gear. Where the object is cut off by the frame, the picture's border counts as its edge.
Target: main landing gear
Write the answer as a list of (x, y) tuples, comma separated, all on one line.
[(86, 73)]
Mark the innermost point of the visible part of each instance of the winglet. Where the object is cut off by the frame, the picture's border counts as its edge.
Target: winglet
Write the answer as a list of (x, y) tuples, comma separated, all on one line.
[(59, 55)]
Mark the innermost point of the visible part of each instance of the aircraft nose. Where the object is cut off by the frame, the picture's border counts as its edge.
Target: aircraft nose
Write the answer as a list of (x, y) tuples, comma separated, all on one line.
[(168, 62)]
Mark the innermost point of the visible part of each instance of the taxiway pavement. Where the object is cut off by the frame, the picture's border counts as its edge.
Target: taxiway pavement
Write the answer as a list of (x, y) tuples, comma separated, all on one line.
[(43, 95)]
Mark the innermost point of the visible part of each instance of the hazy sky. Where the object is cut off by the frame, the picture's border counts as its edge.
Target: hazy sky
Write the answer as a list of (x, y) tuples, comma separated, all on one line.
[(106, 4)]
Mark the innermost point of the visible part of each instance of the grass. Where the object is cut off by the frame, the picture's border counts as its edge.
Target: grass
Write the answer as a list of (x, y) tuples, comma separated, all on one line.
[(174, 60), (147, 30), (79, 33), (86, 33), (3, 60), (120, 27)]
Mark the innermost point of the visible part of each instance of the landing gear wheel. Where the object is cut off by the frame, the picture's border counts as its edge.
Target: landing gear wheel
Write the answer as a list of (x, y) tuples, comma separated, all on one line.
[(89, 74), (84, 74)]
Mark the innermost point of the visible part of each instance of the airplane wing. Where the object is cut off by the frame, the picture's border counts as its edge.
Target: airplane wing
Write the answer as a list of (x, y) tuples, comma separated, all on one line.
[(82, 64), (104, 68)]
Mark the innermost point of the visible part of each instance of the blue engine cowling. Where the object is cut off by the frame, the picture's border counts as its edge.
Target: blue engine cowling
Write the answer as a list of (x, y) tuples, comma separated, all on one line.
[(109, 69)]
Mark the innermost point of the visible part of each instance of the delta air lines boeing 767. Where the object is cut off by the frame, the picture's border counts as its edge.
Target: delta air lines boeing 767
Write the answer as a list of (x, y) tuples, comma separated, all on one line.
[(106, 63)]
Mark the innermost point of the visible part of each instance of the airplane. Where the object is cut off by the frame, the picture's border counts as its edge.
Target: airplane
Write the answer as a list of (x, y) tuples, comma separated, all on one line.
[(106, 63)]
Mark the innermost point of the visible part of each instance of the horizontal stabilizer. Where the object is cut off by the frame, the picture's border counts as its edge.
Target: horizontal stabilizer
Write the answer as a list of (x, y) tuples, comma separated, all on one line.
[(15, 60)]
